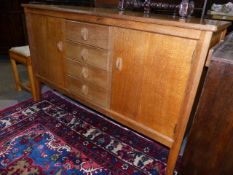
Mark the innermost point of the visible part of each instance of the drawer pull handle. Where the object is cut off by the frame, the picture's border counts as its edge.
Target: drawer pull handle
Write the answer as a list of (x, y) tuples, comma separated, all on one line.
[(119, 63), (84, 54), (60, 46), (84, 89), (84, 34), (84, 72)]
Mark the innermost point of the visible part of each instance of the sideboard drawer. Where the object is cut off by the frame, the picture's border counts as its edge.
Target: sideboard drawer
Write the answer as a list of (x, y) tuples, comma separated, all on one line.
[(92, 34), (87, 92), (93, 75), (88, 55)]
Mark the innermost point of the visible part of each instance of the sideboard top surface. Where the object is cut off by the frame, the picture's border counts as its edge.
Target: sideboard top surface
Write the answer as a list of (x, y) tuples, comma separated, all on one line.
[(192, 23)]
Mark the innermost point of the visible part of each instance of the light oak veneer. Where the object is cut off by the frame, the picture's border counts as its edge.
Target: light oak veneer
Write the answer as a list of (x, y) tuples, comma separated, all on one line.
[(141, 71)]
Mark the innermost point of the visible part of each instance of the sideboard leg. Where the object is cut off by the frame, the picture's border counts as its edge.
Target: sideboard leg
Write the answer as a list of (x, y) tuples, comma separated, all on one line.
[(173, 154), (37, 90)]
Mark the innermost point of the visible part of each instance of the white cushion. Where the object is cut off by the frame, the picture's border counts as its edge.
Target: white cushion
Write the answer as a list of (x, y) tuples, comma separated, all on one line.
[(22, 50)]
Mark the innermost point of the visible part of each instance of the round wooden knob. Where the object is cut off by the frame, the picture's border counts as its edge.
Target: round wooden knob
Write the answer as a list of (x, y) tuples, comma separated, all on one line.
[(84, 34), (84, 89), (84, 54), (85, 72)]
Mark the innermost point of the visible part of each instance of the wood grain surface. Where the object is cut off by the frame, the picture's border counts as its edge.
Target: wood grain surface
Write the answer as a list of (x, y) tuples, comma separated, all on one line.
[(153, 65)]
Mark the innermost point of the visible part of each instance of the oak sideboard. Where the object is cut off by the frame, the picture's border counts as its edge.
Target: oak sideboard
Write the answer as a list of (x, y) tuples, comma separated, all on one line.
[(140, 71)]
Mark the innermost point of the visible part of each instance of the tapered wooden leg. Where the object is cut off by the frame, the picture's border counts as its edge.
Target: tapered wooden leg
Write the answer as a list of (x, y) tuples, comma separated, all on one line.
[(172, 158), (16, 74), (38, 89), (35, 96), (37, 93), (174, 152)]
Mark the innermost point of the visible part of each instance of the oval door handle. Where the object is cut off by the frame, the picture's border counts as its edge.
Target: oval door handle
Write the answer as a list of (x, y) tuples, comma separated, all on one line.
[(84, 54), (84, 34), (84, 72), (84, 89), (60, 46), (119, 63)]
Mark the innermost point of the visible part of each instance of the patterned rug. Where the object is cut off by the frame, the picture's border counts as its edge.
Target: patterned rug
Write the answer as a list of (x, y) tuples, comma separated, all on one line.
[(57, 136)]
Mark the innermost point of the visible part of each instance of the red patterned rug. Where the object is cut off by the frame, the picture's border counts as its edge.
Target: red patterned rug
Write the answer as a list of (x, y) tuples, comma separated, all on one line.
[(57, 136)]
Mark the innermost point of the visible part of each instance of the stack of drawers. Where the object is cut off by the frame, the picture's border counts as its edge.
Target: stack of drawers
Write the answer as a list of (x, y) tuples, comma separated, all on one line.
[(88, 62)]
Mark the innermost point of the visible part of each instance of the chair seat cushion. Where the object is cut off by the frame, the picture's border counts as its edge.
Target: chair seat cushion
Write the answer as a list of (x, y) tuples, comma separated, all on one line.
[(22, 50)]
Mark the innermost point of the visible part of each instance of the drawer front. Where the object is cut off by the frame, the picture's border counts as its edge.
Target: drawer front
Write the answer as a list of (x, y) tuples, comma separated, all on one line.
[(87, 92), (88, 55), (92, 34), (92, 75)]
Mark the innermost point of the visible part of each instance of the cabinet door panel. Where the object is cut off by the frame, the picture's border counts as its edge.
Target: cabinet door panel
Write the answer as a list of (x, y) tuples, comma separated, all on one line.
[(126, 84), (151, 85), (38, 45), (46, 33), (55, 28)]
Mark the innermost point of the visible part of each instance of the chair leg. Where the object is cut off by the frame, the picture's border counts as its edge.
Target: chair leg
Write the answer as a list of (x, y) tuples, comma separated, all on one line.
[(16, 74), (35, 87)]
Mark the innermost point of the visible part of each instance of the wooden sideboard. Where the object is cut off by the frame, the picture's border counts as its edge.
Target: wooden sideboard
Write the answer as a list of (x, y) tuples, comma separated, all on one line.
[(141, 71)]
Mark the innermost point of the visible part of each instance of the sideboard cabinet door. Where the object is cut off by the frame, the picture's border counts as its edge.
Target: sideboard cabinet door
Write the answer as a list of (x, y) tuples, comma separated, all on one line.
[(46, 37), (150, 77)]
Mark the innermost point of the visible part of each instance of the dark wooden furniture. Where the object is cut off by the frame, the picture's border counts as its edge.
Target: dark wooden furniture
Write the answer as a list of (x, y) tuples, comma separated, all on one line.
[(106, 3), (209, 147), (12, 27), (88, 3)]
